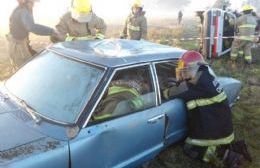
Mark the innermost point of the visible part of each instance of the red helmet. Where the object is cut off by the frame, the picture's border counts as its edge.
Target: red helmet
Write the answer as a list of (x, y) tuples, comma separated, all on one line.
[(25, 1), (188, 65)]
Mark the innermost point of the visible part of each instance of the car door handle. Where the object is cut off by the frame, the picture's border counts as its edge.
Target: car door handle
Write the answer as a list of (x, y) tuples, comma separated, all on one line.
[(155, 119)]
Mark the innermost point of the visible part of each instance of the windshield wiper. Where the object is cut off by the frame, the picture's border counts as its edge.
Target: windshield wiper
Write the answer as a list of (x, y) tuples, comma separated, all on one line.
[(3, 97), (30, 110)]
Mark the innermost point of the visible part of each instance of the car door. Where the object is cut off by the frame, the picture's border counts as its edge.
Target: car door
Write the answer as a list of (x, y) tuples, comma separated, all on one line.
[(126, 138), (175, 110)]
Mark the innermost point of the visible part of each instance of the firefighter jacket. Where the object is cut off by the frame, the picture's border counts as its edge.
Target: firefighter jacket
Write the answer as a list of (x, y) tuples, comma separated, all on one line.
[(120, 91), (246, 26), (70, 29), (22, 23), (135, 27), (209, 114)]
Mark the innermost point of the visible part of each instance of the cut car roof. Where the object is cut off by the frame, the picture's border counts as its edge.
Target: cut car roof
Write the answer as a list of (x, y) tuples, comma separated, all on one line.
[(116, 52)]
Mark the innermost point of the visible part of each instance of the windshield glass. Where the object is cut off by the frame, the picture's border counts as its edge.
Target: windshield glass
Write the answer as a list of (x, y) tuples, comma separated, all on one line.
[(56, 87)]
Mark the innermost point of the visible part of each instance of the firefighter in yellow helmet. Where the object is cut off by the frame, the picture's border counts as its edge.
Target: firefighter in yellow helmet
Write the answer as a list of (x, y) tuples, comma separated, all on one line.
[(80, 23), (136, 24), (242, 45)]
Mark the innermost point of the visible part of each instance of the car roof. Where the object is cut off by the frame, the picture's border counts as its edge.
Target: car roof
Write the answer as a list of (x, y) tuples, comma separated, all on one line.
[(116, 52)]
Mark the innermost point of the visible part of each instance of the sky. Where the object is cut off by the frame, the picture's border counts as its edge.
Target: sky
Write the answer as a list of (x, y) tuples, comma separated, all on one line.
[(49, 11)]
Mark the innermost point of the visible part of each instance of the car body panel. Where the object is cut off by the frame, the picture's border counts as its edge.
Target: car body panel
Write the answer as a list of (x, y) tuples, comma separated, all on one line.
[(22, 145), (42, 153), (124, 142), (232, 88), (130, 52), (176, 126), (13, 127)]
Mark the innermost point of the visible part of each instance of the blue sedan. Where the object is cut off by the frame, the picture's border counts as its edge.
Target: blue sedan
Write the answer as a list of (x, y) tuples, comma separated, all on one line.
[(50, 108)]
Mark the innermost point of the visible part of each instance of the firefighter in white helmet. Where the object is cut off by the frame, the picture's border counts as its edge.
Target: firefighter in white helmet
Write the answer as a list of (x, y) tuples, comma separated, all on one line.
[(80, 23), (136, 24), (21, 24), (246, 30)]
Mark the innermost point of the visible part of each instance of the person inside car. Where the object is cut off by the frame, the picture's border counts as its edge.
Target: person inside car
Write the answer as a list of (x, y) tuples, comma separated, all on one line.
[(126, 87)]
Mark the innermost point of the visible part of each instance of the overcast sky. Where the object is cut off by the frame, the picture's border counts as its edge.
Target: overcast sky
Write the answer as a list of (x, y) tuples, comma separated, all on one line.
[(49, 11)]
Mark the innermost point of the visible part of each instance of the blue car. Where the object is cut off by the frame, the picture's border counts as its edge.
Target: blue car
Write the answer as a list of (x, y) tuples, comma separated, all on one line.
[(49, 108)]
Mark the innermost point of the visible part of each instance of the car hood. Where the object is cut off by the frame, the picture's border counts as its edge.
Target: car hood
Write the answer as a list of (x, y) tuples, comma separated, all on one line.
[(15, 132), (20, 137), (16, 126)]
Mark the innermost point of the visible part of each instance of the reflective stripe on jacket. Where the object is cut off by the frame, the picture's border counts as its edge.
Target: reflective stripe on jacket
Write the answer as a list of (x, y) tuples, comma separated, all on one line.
[(118, 89), (135, 27), (246, 25), (73, 38), (205, 102), (215, 142), (115, 95), (136, 102)]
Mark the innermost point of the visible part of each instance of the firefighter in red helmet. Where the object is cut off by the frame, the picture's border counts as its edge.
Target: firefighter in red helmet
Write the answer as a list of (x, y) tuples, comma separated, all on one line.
[(210, 130)]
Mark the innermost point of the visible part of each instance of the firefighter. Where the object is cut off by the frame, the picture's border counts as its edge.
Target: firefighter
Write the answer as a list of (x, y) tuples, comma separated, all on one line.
[(180, 15), (136, 24), (210, 130), (258, 30), (80, 23), (20, 25), (128, 89), (246, 30)]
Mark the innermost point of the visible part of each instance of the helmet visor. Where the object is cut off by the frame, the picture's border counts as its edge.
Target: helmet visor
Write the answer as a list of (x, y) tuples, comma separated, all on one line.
[(186, 73), (81, 17)]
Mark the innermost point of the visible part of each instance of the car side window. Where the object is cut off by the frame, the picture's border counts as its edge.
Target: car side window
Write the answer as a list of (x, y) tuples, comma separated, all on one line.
[(166, 73), (131, 90)]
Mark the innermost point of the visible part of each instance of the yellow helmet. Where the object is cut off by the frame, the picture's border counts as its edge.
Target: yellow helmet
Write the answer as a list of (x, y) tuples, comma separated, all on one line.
[(81, 6), (247, 8), (81, 10), (137, 4)]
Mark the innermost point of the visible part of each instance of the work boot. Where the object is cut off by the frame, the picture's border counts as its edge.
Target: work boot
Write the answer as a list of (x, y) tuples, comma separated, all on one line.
[(233, 159), (241, 148)]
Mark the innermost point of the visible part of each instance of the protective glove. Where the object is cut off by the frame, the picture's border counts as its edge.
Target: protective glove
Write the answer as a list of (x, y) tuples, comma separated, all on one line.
[(56, 36)]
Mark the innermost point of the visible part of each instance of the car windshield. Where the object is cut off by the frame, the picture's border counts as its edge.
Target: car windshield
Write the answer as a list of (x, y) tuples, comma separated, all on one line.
[(58, 88)]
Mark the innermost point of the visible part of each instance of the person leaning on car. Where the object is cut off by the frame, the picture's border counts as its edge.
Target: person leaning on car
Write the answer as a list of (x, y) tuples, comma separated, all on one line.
[(210, 130), (21, 24), (80, 23)]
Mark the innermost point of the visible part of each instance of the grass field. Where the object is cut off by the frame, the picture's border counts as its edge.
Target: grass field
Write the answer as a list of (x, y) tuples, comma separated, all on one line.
[(246, 113)]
